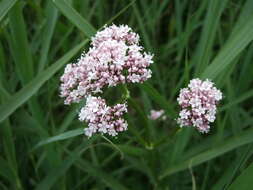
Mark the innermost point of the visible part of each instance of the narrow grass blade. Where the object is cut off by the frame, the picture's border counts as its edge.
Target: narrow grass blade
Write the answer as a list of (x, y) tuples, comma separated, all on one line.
[(130, 150), (30, 89), (238, 100), (244, 181), (55, 173), (5, 6), (10, 166), (229, 174), (75, 17), (233, 47), (215, 8), (99, 174), (121, 11), (20, 46), (52, 15), (60, 137), (5, 171), (245, 15), (226, 146)]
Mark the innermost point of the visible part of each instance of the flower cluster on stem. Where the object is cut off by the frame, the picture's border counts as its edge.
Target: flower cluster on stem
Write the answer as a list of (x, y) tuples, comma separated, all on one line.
[(103, 118), (198, 104), (115, 57)]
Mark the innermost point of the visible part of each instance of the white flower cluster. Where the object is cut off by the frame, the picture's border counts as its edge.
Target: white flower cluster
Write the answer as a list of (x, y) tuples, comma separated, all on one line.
[(198, 103)]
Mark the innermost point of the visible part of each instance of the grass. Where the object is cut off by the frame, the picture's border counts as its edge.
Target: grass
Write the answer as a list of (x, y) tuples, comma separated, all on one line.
[(42, 146)]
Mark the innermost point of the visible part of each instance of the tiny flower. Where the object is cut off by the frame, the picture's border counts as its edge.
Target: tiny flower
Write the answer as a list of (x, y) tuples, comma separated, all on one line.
[(184, 114), (198, 103), (115, 57), (102, 118), (156, 114)]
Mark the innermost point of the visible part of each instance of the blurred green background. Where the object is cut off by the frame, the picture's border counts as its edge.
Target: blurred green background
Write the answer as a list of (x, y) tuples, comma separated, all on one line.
[(42, 145)]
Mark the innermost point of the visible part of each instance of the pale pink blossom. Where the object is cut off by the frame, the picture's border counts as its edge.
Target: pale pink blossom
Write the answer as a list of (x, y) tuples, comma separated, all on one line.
[(156, 114), (198, 104), (102, 118), (115, 57)]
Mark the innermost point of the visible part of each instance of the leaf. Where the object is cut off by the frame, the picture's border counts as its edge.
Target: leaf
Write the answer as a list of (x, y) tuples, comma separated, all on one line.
[(133, 151), (238, 100), (229, 173), (55, 173), (32, 87), (211, 23), (99, 174), (52, 15), (120, 12), (5, 171), (19, 44), (60, 137), (226, 146), (5, 6), (75, 17), (234, 46), (244, 181)]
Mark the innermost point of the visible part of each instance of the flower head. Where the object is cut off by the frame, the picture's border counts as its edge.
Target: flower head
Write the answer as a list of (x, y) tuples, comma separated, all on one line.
[(156, 114), (198, 104), (102, 118), (115, 57)]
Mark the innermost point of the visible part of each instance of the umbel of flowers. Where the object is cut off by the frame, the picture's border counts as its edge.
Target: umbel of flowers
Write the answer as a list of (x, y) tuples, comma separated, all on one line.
[(103, 118), (198, 104), (114, 57)]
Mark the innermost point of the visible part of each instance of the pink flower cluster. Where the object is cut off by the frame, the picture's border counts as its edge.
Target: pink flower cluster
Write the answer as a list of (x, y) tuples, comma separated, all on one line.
[(102, 118), (156, 114), (198, 103), (115, 57)]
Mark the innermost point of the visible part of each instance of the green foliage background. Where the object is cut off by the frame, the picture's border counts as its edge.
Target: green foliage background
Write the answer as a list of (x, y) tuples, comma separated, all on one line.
[(42, 145)]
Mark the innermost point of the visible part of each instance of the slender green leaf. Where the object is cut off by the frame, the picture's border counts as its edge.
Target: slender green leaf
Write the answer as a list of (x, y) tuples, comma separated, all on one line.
[(233, 47), (55, 173), (47, 34), (5, 171), (226, 146), (130, 150), (21, 50), (99, 174), (75, 17), (244, 181), (120, 12), (60, 137), (235, 165), (5, 6), (208, 33), (238, 100)]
